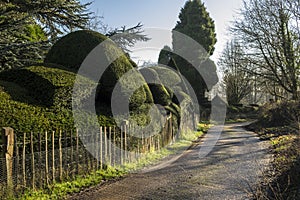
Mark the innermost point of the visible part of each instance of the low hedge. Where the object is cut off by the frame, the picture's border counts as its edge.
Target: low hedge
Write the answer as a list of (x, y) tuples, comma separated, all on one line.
[(48, 86)]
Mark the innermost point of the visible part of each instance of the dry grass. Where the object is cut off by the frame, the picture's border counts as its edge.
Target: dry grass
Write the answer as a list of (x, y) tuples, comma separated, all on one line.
[(282, 180)]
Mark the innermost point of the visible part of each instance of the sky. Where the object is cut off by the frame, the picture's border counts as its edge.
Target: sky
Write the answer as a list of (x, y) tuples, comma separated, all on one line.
[(159, 17)]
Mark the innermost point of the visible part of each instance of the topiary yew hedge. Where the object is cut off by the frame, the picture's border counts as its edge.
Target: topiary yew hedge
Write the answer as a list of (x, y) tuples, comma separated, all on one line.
[(71, 50), (47, 86), (38, 98)]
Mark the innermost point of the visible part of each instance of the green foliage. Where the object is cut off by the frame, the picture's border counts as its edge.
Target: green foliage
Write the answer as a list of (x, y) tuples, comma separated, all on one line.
[(160, 94), (33, 33), (38, 98), (23, 47), (174, 109), (55, 16), (23, 117), (165, 55), (127, 37), (71, 50), (167, 77), (195, 22), (47, 86), (61, 190), (25, 27), (20, 116)]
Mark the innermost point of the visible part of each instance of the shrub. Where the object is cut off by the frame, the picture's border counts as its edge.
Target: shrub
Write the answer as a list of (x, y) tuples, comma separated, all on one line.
[(37, 98), (47, 86), (161, 95), (280, 114), (71, 50)]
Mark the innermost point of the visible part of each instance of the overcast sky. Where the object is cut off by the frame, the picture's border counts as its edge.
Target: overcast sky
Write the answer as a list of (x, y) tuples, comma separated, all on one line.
[(162, 15)]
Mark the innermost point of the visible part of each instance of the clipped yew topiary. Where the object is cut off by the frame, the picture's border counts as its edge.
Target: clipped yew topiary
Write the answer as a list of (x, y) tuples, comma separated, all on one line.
[(71, 50), (47, 86), (161, 95)]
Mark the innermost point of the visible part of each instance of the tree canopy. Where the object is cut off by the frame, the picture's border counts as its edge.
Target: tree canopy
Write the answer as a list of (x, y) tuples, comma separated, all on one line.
[(27, 27), (197, 27), (195, 22), (237, 81), (269, 30)]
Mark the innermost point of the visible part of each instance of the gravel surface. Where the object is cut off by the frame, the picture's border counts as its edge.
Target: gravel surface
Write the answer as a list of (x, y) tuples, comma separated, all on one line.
[(229, 172)]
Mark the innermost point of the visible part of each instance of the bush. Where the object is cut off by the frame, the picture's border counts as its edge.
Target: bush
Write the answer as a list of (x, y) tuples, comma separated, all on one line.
[(47, 86), (161, 94), (71, 50), (280, 114), (37, 98)]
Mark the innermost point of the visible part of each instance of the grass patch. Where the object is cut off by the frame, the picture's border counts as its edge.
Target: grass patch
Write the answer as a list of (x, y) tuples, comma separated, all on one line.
[(238, 120), (282, 181), (62, 190)]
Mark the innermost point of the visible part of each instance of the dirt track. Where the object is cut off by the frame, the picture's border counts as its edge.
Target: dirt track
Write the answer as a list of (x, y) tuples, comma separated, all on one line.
[(228, 172)]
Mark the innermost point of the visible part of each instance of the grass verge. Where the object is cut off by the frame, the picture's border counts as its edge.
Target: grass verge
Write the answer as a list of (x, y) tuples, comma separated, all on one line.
[(282, 181)]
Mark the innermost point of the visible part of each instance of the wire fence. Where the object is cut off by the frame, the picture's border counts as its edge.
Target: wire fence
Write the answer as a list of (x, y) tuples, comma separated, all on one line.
[(36, 160)]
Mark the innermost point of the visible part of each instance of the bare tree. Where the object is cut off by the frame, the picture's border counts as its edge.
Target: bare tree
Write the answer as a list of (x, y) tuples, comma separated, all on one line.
[(236, 80), (272, 41)]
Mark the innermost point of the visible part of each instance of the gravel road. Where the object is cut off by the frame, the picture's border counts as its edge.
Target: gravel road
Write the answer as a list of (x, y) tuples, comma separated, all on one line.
[(228, 172)]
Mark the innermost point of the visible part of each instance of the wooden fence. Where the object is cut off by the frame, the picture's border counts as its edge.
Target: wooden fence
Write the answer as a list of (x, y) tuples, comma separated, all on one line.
[(35, 160)]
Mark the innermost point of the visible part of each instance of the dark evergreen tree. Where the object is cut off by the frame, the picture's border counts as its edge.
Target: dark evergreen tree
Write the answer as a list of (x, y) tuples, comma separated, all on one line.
[(165, 55), (26, 28), (195, 22)]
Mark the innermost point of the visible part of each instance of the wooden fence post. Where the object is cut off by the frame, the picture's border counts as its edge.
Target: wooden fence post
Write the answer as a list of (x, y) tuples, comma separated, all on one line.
[(77, 152), (39, 173), (114, 143), (105, 145), (121, 148), (97, 150), (53, 157), (17, 162), (46, 158), (72, 150), (109, 147), (8, 140), (125, 143), (101, 146), (32, 161), (60, 157), (24, 160)]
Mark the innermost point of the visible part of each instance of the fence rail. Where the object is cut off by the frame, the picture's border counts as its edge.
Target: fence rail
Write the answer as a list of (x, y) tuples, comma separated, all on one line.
[(36, 160)]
